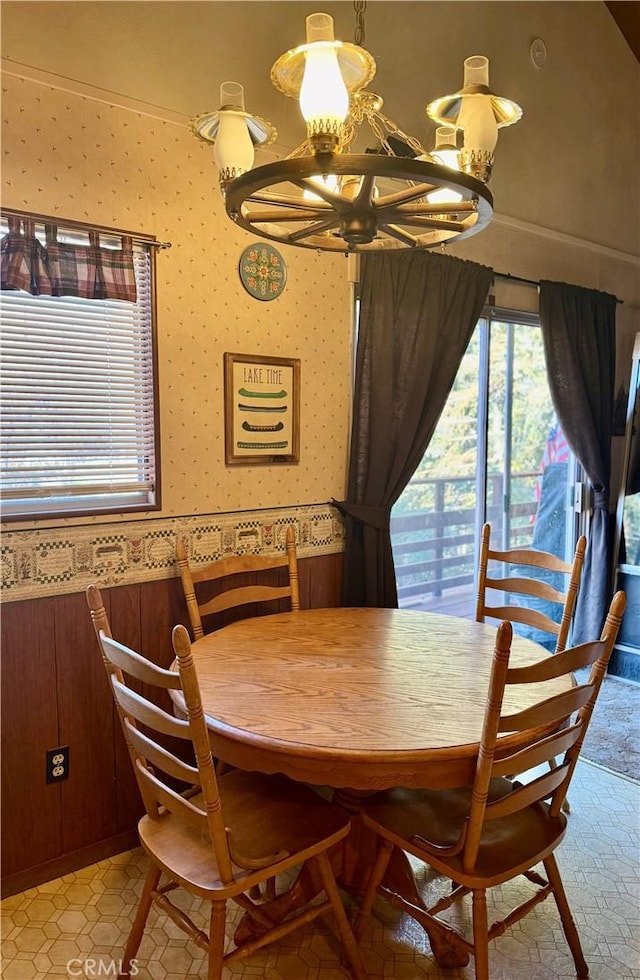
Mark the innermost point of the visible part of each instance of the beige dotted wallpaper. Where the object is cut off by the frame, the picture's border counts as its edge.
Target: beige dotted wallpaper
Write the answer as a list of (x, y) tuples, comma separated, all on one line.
[(78, 158)]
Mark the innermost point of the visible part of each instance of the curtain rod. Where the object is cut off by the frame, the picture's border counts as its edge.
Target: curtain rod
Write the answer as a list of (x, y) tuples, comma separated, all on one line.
[(528, 282), (42, 219)]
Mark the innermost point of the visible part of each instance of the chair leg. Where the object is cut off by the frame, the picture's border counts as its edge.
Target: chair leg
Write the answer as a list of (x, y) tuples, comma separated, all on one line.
[(377, 874), (346, 935), (216, 940), (568, 925), (480, 934), (270, 889), (137, 929)]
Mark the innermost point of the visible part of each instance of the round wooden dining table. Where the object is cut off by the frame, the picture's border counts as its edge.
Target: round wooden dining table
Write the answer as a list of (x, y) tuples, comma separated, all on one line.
[(357, 700)]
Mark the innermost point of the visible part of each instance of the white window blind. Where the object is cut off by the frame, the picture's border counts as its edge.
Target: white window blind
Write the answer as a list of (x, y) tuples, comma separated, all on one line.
[(78, 426)]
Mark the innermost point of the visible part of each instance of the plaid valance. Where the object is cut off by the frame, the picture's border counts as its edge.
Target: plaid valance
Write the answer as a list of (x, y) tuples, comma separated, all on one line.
[(59, 268)]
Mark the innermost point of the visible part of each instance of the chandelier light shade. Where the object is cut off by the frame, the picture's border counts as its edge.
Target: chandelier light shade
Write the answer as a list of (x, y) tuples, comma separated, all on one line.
[(446, 150), (233, 132), (479, 113), (233, 151), (325, 196), (324, 99), (356, 66)]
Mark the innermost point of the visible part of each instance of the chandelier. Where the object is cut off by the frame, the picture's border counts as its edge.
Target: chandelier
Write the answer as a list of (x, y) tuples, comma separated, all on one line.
[(323, 195)]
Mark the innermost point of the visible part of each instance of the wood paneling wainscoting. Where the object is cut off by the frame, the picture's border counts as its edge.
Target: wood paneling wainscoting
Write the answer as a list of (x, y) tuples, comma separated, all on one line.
[(55, 693)]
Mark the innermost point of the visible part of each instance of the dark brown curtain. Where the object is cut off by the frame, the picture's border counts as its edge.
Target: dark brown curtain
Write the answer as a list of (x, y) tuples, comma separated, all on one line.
[(417, 314), (578, 329)]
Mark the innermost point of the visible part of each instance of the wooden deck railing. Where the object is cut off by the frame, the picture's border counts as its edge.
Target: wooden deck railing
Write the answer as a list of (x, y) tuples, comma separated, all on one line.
[(433, 549)]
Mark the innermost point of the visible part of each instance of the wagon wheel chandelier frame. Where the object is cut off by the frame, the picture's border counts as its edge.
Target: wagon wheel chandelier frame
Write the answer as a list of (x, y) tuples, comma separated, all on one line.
[(355, 219), (321, 195)]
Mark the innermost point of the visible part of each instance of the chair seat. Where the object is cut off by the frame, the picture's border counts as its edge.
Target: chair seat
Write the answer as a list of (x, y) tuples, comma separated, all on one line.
[(265, 815), (507, 843)]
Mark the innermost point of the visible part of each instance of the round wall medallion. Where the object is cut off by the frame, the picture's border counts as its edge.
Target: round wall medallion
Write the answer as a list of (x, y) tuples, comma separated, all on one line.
[(263, 271), (538, 52)]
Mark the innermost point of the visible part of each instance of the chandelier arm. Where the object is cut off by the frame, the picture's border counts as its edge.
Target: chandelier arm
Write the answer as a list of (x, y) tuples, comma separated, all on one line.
[(297, 236), (378, 131), (441, 208), (364, 197), (393, 130), (349, 133), (420, 222), (302, 149), (401, 235), (281, 200), (403, 197), (260, 217), (335, 200)]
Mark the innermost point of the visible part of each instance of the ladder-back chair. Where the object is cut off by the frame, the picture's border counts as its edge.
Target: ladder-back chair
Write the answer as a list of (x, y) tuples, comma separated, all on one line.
[(222, 835), (516, 585), (495, 830), (239, 595)]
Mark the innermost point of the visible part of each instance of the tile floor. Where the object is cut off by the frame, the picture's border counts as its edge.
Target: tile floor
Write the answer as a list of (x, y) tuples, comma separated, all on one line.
[(76, 926)]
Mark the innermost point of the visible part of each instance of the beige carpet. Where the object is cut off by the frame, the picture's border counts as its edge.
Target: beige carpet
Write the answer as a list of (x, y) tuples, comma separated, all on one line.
[(613, 739)]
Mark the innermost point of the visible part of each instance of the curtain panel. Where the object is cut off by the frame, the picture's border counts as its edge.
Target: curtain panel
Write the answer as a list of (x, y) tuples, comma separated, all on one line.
[(417, 314), (59, 268), (578, 330)]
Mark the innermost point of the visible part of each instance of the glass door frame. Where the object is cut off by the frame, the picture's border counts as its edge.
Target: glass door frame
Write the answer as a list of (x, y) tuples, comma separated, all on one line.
[(511, 318), (577, 501)]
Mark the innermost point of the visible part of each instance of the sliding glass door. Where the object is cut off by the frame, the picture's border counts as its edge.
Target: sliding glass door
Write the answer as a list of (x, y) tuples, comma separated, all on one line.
[(497, 455)]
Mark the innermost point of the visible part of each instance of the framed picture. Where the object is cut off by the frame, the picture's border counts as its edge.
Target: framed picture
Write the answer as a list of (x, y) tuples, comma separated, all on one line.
[(262, 409)]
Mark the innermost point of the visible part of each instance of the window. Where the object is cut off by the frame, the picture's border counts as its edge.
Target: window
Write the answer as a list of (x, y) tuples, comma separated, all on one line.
[(79, 428), (497, 455)]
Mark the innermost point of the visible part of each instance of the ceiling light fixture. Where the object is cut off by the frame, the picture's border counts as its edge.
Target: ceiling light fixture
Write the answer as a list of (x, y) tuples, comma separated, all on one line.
[(326, 197)]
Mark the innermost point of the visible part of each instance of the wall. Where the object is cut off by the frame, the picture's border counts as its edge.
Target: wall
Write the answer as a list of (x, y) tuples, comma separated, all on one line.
[(55, 693), (87, 160)]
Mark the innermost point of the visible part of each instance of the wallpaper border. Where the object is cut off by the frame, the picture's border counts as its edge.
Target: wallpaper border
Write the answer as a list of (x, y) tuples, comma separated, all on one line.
[(38, 563)]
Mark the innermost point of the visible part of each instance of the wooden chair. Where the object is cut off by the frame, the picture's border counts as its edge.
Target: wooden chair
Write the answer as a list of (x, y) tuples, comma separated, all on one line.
[(529, 587), (235, 565), (495, 830), (222, 835)]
